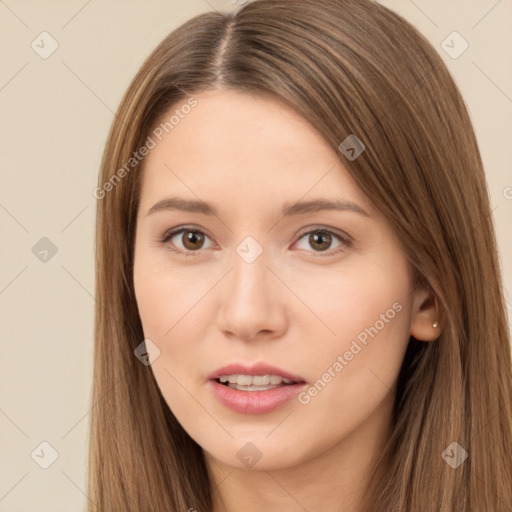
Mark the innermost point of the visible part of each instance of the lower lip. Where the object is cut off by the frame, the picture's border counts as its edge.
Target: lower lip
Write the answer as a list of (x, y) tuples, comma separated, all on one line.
[(255, 402)]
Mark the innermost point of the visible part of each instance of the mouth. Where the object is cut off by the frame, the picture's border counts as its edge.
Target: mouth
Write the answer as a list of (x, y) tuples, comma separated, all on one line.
[(256, 389), (258, 374), (255, 382)]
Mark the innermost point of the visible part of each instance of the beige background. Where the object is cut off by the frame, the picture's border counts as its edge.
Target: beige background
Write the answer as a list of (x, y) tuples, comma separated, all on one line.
[(55, 117)]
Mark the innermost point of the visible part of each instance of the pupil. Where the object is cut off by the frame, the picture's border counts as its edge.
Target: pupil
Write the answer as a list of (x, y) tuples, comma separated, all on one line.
[(192, 238), (319, 235)]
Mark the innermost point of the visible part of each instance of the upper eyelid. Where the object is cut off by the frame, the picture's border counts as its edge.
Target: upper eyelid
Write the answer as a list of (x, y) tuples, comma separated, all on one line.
[(336, 232)]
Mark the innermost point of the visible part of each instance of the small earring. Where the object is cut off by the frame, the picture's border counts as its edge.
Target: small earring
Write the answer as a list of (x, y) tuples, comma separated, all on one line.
[(435, 324)]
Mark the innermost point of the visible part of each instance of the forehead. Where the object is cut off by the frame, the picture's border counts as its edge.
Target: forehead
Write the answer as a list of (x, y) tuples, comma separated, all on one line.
[(235, 147), (228, 123)]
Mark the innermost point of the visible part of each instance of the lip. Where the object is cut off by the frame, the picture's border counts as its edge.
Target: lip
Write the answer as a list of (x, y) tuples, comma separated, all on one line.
[(254, 369), (255, 402)]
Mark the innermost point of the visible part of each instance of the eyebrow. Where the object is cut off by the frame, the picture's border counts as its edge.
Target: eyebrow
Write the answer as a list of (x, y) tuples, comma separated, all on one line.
[(289, 209)]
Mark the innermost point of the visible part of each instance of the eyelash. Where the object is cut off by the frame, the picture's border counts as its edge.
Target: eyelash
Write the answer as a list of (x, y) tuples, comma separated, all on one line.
[(346, 241)]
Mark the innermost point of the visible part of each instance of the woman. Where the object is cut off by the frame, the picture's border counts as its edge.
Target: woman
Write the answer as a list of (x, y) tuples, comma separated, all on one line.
[(257, 347)]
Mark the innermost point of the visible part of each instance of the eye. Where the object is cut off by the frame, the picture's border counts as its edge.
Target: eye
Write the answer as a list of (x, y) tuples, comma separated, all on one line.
[(322, 238), (191, 239)]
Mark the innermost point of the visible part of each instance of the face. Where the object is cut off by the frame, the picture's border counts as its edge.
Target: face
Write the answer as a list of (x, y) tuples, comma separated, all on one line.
[(242, 278)]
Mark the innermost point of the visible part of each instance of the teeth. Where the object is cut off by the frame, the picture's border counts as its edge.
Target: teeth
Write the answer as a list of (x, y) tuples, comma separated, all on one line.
[(263, 380), (275, 379), (253, 388), (256, 380)]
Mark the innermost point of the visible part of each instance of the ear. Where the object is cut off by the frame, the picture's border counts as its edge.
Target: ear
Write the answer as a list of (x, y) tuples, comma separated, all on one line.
[(424, 316)]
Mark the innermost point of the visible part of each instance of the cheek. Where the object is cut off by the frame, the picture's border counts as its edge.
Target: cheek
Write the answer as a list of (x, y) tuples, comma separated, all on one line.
[(166, 296), (341, 302), (163, 301), (369, 311), (173, 306)]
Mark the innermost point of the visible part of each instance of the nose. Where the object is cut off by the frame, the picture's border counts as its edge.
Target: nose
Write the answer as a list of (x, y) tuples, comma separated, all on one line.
[(252, 301)]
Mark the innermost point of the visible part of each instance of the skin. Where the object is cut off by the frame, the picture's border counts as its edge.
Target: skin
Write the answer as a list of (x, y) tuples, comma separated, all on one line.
[(298, 306)]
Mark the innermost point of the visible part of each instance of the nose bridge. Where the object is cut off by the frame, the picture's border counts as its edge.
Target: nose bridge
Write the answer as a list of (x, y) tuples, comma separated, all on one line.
[(250, 298), (250, 274)]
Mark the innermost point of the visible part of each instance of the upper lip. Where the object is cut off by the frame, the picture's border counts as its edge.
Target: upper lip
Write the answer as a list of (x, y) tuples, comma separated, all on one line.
[(254, 369)]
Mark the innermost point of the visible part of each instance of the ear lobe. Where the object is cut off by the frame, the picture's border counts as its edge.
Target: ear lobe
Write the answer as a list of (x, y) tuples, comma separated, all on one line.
[(425, 322)]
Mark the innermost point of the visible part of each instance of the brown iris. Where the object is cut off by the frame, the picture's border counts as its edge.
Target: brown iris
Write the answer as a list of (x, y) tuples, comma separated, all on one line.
[(192, 237), (316, 237)]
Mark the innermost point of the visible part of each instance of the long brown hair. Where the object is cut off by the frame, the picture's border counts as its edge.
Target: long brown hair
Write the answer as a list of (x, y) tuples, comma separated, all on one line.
[(348, 67)]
